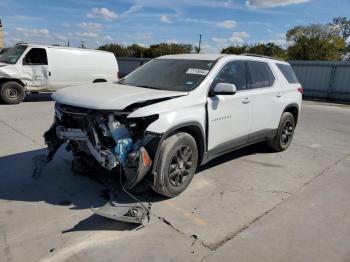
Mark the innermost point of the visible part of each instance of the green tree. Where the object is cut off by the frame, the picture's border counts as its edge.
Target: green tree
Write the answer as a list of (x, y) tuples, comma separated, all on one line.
[(346, 53), (168, 49), (347, 48), (235, 50), (341, 26), (137, 50), (314, 42), (117, 50), (269, 49)]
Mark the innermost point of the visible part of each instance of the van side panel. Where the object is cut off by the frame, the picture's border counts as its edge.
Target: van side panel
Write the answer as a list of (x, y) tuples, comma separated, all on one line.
[(69, 67)]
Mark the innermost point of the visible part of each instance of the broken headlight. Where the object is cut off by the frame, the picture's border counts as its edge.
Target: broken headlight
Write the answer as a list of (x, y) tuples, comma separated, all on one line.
[(138, 125)]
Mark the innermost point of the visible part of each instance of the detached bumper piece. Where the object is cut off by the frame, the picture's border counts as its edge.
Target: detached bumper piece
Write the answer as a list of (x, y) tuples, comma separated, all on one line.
[(124, 212), (121, 212)]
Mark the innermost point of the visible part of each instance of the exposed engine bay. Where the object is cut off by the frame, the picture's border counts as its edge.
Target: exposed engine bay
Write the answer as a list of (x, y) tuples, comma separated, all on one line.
[(111, 141)]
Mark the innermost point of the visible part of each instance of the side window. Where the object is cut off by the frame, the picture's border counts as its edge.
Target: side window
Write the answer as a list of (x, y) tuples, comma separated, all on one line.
[(233, 73), (288, 73), (36, 56), (260, 75)]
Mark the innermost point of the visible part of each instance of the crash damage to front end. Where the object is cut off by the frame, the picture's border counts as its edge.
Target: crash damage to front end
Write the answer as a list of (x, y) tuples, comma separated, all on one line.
[(110, 140)]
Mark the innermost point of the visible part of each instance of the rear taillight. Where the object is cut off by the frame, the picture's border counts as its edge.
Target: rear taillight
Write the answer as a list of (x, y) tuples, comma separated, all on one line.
[(301, 90)]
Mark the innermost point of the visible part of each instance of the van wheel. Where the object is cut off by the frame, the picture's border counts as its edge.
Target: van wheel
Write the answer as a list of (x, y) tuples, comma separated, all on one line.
[(177, 164), (285, 133), (12, 93)]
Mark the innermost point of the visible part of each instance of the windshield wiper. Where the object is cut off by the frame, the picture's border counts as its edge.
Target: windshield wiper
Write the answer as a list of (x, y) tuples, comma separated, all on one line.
[(150, 87)]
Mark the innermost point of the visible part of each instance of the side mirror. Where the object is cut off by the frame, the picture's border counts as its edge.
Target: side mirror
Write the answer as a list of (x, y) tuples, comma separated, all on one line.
[(224, 89)]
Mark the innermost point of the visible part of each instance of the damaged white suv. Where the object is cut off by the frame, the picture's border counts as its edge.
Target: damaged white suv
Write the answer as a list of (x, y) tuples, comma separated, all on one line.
[(175, 113)]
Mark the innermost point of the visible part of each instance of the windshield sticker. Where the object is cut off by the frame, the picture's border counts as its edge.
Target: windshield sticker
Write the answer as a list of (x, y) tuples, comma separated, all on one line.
[(189, 83), (196, 71)]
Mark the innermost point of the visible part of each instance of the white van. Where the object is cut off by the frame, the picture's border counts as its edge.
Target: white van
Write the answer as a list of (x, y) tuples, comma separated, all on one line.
[(35, 68)]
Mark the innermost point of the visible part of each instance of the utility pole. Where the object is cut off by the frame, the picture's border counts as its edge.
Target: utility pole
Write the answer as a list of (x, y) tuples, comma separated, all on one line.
[(1, 36), (199, 44)]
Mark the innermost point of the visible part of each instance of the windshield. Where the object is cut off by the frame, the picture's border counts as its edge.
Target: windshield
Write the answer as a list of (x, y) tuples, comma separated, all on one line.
[(170, 74), (12, 55)]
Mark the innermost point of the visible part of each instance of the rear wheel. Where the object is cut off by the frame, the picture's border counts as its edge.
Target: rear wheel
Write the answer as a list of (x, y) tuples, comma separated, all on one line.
[(177, 164), (284, 134), (12, 93)]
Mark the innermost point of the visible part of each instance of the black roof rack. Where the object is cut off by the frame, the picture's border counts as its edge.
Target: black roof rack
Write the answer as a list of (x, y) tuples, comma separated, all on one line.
[(21, 43), (263, 56)]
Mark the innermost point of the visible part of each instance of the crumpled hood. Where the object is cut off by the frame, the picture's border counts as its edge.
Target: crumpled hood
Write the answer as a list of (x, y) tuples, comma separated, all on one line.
[(109, 96)]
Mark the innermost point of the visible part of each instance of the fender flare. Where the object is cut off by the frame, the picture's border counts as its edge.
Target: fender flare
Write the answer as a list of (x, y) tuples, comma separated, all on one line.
[(4, 80), (172, 130), (292, 105)]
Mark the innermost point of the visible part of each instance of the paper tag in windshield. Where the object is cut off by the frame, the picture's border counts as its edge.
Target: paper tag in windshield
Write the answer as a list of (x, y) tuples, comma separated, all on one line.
[(196, 71)]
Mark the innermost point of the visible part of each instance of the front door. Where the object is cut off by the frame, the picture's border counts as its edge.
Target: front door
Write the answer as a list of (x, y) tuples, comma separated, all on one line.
[(35, 68), (229, 115)]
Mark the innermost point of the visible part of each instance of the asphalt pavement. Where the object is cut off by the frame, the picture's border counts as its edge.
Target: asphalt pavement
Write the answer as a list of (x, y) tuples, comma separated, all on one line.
[(249, 205)]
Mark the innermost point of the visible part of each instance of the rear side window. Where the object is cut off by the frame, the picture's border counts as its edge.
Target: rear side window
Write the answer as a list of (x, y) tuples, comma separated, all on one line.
[(288, 73), (260, 75)]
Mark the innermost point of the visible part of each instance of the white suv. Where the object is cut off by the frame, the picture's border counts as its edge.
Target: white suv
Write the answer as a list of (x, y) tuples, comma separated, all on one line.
[(175, 113)]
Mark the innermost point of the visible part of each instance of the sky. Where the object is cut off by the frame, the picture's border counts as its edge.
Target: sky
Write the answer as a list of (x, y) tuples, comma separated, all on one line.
[(145, 22)]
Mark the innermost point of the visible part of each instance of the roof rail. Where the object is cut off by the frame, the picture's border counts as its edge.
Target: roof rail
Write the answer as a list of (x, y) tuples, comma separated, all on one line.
[(21, 43), (263, 56)]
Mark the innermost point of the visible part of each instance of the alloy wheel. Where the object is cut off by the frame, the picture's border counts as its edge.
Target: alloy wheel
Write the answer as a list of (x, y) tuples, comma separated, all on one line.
[(287, 133), (180, 165)]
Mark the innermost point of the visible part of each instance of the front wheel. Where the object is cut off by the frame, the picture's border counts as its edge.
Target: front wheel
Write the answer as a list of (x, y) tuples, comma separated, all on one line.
[(284, 134), (177, 164), (12, 93)]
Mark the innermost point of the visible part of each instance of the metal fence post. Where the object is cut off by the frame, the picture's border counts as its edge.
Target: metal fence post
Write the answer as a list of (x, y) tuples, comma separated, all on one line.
[(331, 81)]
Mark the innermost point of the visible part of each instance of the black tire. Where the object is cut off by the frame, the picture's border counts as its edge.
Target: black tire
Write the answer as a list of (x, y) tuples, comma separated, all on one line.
[(284, 134), (12, 93), (177, 164)]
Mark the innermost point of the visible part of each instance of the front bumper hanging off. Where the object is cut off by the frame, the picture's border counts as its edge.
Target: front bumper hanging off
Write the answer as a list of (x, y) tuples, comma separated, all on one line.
[(135, 166)]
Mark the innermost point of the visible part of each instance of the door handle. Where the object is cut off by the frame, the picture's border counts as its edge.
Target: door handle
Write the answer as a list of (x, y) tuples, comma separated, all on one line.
[(246, 100), (278, 95), (49, 73)]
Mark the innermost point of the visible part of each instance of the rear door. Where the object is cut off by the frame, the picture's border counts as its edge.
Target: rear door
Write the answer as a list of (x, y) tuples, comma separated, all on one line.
[(266, 100), (290, 85), (35, 66), (229, 115)]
